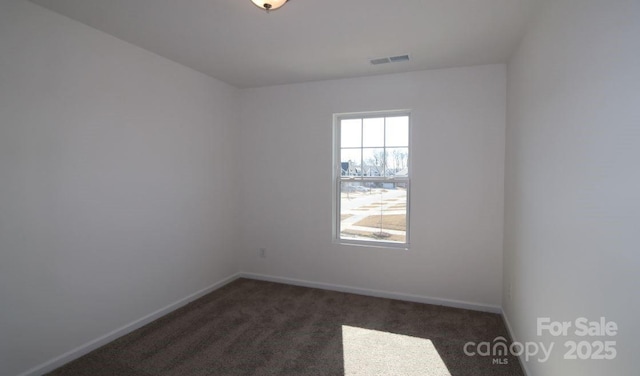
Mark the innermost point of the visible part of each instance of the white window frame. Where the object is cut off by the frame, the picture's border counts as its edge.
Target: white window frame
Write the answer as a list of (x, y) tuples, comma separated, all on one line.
[(338, 179)]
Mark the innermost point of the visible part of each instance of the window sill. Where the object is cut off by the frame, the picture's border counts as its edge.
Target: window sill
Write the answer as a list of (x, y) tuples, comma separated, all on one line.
[(370, 244)]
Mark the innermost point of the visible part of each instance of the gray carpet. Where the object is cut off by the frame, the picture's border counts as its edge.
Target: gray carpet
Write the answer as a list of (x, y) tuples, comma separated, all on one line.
[(261, 328)]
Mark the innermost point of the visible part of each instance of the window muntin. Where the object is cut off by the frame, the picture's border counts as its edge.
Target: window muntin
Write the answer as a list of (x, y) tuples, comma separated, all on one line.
[(372, 179)]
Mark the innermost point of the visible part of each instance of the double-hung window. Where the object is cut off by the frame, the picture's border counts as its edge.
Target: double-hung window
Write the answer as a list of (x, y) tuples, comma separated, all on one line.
[(372, 178)]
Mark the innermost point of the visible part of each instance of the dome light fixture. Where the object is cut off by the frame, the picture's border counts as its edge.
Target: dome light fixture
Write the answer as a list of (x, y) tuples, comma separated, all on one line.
[(269, 5)]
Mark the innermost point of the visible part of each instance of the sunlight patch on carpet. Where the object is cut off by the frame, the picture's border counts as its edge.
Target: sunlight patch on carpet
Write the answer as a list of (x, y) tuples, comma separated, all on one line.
[(371, 352)]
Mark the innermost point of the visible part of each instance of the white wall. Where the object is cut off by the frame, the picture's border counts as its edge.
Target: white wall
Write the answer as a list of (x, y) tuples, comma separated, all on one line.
[(285, 183), (573, 178), (115, 188)]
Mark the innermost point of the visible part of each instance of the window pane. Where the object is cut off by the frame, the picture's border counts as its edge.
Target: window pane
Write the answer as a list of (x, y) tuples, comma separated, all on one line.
[(397, 131), (373, 161), (351, 133), (373, 132), (397, 162), (351, 162), (374, 211)]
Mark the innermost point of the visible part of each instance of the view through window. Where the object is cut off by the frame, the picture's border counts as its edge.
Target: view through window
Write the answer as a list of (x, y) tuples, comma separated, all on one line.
[(373, 177)]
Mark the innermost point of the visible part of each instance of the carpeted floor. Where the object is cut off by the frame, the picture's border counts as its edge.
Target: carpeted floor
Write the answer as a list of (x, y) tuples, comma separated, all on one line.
[(261, 328)]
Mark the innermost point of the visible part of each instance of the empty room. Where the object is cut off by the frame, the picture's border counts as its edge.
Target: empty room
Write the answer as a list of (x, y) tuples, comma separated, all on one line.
[(302, 187)]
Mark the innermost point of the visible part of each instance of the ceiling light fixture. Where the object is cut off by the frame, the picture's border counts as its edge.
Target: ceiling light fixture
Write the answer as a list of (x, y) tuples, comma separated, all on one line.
[(269, 5)]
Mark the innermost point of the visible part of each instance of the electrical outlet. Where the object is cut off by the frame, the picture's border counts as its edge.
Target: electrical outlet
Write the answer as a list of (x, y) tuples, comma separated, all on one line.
[(262, 252)]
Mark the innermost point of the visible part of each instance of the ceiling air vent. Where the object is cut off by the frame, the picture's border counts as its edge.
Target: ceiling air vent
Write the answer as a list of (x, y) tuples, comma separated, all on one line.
[(383, 60), (390, 59), (399, 58)]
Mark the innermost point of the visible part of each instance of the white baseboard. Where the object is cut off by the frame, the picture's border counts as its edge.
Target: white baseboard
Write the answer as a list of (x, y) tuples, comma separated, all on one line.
[(375, 293), (523, 364), (86, 348)]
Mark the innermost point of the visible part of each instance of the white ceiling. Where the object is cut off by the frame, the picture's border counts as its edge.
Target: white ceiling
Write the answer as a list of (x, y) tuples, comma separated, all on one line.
[(308, 40)]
